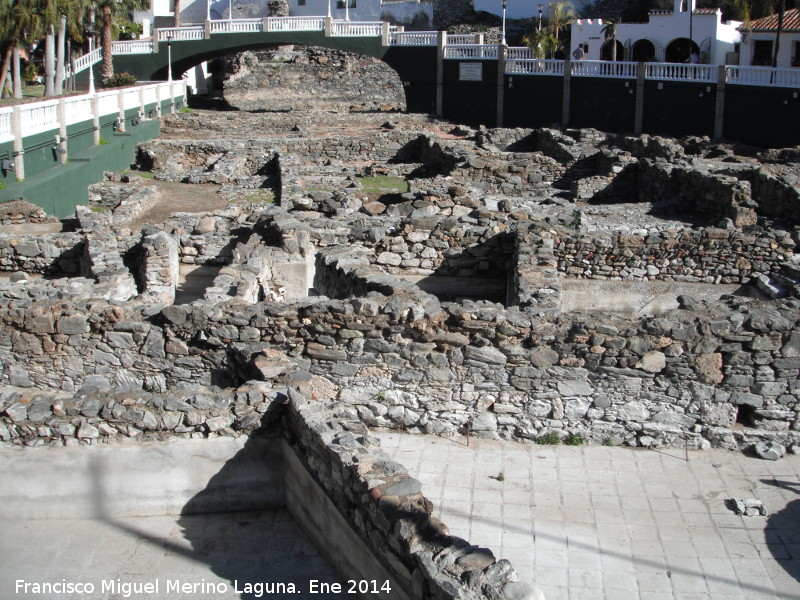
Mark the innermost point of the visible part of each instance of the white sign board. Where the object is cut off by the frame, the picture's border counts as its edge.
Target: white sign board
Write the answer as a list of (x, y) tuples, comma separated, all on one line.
[(470, 72)]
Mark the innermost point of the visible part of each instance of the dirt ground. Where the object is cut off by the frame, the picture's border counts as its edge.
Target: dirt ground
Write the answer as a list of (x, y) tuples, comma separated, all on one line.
[(180, 197)]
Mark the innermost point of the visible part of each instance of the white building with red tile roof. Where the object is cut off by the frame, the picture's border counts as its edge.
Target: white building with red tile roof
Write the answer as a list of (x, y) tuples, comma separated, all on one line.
[(758, 41), (664, 38)]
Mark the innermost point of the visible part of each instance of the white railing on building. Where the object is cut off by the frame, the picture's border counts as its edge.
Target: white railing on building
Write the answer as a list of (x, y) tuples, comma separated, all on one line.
[(680, 72), (535, 66), (471, 52), (133, 47), (763, 76), (348, 29), (296, 23), (414, 38), (604, 68), (181, 34)]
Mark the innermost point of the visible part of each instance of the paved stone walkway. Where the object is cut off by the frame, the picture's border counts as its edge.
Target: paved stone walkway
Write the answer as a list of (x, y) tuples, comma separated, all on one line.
[(207, 552), (594, 522)]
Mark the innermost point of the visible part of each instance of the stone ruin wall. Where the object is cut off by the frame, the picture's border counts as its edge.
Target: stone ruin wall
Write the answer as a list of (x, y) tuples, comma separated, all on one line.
[(313, 78), (722, 373)]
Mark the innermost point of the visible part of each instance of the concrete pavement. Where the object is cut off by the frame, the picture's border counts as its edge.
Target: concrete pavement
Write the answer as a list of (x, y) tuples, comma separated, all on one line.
[(596, 522)]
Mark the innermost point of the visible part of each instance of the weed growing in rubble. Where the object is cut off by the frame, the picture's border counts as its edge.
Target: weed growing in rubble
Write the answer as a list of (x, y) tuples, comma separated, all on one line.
[(549, 439)]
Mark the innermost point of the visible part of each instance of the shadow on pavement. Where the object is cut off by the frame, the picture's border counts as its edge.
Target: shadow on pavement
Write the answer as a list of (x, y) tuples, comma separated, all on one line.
[(239, 526)]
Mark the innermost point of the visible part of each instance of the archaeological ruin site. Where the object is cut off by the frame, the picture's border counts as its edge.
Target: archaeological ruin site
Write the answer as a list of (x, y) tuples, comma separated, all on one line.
[(299, 279)]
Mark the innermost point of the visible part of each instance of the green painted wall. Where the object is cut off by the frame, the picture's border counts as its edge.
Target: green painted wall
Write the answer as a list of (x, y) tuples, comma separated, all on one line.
[(60, 188)]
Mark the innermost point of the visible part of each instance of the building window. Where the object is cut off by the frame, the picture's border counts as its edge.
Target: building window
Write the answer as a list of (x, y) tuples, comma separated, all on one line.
[(301, 2), (762, 53), (796, 54), (341, 3)]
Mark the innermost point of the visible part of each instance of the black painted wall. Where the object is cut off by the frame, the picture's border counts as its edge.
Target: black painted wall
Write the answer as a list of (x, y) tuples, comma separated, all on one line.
[(470, 102), (606, 104), (762, 116), (533, 101), (677, 109)]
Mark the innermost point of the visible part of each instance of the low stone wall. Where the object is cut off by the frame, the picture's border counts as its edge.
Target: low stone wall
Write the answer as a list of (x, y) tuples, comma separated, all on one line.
[(57, 254), (389, 512), (373, 496)]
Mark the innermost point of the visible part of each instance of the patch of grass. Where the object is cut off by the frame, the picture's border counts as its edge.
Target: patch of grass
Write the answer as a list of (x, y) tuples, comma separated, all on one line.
[(259, 197), (102, 141), (573, 439), (499, 477), (3, 185), (97, 209), (384, 185), (549, 439), (186, 109), (146, 174), (608, 442)]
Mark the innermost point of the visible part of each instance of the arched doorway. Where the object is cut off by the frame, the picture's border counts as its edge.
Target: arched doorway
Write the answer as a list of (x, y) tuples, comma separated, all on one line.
[(678, 50), (643, 51), (605, 51)]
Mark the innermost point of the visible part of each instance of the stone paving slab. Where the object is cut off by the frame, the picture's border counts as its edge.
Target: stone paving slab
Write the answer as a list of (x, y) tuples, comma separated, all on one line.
[(596, 522), (203, 551)]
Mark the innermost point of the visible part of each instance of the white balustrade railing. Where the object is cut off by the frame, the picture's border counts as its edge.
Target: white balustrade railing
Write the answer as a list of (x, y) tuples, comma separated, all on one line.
[(133, 47), (348, 29), (77, 109), (38, 117), (463, 39), (150, 94), (535, 66), (763, 76), (414, 38), (130, 98), (237, 26), (475, 51), (680, 72), (108, 102), (181, 34), (604, 68), (93, 57), (6, 132), (519, 53), (296, 23)]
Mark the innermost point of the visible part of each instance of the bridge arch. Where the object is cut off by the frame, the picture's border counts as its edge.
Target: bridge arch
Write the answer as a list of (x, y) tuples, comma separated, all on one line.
[(415, 66)]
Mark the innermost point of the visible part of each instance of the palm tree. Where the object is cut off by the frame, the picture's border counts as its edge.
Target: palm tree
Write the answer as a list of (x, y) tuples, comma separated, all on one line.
[(561, 15), (610, 33), (542, 42), (70, 24), (107, 10)]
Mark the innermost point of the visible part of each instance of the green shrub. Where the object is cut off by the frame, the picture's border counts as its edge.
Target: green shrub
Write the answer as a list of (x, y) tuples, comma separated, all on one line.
[(573, 439), (549, 439), (120, 80), (102, 141), (3, 185)]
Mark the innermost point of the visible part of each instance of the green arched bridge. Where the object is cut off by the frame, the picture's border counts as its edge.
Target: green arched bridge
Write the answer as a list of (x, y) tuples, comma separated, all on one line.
[(462, 79)]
